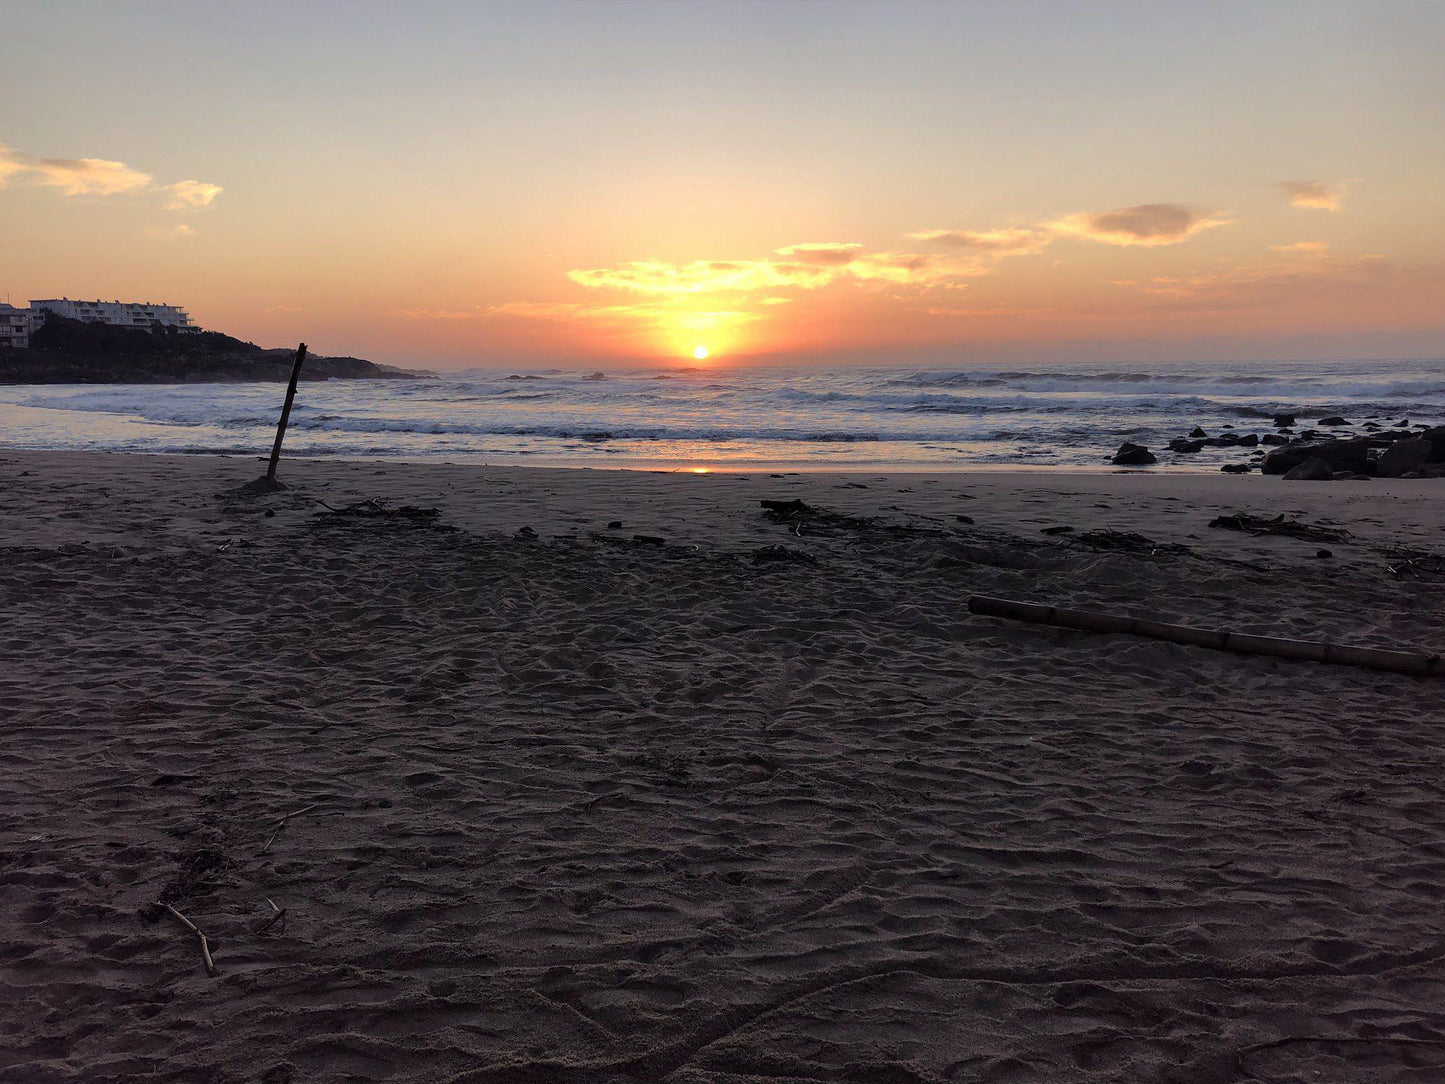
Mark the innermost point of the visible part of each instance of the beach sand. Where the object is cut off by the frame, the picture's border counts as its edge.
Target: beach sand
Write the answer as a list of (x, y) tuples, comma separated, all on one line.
[(563, 806)]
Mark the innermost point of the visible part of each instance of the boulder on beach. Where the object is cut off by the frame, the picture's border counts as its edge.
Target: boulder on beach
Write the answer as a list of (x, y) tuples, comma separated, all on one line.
[(1311, 470), (1235, 468), (1198, 431), (1339, 454), (1283, 421), (1133, 455), (1334, 419), (1402, 456), (1274, 438), (1181, 444)]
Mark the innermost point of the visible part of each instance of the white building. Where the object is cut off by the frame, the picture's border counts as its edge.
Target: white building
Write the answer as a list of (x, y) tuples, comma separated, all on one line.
[(14, 327), (143, 315)]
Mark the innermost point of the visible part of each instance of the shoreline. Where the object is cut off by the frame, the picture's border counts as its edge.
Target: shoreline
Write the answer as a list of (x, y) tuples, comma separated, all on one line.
[(721, 506)]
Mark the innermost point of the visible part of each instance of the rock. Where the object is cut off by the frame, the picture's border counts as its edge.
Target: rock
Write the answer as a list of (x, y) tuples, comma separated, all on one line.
[(1197, 432), (1226, 425), (1324, 553), (1274, 438), (1133, 455), (1436, 437), (1248, 441), (1339, 454), (614, 525), (1311, 470), (1403, 422), (1179, 444), (1226, 440), (1333, 420), (1403, 455), (1235, 468), (1282, 421), (964, 519)]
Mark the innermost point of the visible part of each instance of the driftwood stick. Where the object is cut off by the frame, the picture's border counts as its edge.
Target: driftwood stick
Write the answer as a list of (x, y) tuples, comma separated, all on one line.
[(282, 824), (205, 945), (286, 412), (279, 915), (1371, 658)]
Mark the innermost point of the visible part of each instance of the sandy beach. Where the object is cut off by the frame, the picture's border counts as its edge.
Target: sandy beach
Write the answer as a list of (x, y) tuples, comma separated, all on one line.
[(737, 800)]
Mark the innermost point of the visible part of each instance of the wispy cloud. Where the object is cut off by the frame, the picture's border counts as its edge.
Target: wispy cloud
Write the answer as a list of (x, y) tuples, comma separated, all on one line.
[(1010, 241), (191, 195), (653, 313), (441, 314), (10, 164), (809, 266), (90, 176), (1314, 195), (1303, 248), (1325, 281), (825, 253), (1146, 225), (100, 177)]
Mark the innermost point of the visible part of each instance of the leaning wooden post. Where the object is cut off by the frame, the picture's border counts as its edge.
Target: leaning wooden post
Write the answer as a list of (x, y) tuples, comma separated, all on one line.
[(285, 413)]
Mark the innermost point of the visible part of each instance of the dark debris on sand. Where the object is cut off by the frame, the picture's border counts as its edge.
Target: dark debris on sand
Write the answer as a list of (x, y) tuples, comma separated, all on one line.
[(1290, 528), (806, 518), (375, 510)]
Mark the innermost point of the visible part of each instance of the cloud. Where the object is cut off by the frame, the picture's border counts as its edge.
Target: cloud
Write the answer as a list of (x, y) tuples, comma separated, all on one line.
[(1314, 195), (1011, 241), (281, 309), (90, 176), (100, 177), (1303, 248), (1147, 225), (10, 164), (191, 195), (826, 253), (800, 267)]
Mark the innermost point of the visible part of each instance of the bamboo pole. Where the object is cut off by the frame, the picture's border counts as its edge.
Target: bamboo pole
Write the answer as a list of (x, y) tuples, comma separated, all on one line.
[(1372, 658), (286, 412)]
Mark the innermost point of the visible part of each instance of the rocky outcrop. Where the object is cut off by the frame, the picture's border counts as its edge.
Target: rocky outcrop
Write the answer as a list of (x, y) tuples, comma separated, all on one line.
[(74, 352)]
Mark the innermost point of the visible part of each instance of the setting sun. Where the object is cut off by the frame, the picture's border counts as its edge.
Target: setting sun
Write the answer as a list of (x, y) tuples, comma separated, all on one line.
[(700, 352)]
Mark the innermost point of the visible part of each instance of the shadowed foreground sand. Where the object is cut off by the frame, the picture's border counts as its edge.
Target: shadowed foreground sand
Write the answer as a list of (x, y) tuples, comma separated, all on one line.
[(586, 810)]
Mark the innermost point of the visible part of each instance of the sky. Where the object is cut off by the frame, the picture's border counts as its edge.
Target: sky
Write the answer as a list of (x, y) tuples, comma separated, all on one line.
[(457, 184)]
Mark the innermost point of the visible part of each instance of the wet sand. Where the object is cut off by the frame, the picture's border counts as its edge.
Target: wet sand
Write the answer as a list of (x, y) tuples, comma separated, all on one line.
[(543, 802)]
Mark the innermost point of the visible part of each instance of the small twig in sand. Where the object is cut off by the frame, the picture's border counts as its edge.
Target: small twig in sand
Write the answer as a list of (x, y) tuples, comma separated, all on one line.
[(282, 824), (278, 916), (205, 945)]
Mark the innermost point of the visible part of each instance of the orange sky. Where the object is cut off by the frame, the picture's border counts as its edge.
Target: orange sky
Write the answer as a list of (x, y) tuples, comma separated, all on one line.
[(579, 184)]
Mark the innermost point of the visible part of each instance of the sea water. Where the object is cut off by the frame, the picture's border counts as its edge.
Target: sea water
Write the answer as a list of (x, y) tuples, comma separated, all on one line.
[(1040, 416)]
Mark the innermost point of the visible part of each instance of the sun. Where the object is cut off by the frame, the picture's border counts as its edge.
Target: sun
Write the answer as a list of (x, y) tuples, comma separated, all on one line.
[(700, 352)]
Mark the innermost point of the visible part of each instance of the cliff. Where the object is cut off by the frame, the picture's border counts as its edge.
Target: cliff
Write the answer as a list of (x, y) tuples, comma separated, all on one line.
[(74, 352)]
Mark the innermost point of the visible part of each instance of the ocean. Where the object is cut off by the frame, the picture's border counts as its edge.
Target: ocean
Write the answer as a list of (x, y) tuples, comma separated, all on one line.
[(1039, 416)]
